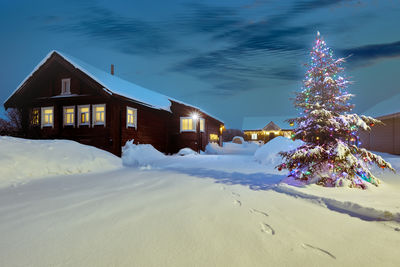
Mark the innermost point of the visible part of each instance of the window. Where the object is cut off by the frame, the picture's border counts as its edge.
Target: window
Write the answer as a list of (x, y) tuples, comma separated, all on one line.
[(35, 117), (99, 114), (84, 115), (47, 117), (66, 86), (131, 117), (254, 136), (187, 124), (202, 125), (213, 138), (69, 115)]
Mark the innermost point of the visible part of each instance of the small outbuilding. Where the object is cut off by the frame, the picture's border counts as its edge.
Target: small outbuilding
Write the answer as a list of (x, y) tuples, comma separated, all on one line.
[(384, 138)]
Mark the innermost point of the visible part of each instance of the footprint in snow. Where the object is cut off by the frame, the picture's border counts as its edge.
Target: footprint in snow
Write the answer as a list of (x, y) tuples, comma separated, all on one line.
[(266, 228), (259, 212), (318, 249), (235, 194), (237, 202)]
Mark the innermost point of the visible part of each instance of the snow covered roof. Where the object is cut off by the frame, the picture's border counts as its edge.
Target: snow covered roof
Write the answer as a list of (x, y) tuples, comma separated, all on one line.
[(387, 107), (114, 85), (258, 123)]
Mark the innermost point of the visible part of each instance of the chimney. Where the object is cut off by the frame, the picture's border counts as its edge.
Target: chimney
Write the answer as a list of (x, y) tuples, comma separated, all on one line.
[(112, 69)]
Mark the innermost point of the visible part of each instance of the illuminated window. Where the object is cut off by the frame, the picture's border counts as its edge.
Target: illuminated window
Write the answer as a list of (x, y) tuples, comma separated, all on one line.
[(99, 114), (69, 115), (65, 86), (213, 138), (202, 125), (47, 117), (84, 115), (131, 117), (254, 136), (35, 117), (187, 124)]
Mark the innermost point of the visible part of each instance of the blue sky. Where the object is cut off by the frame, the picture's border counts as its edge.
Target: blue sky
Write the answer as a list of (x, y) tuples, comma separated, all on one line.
[(234, 59)]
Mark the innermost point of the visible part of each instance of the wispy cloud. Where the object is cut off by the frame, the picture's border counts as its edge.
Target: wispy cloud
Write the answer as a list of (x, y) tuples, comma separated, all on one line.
[(367, 54)]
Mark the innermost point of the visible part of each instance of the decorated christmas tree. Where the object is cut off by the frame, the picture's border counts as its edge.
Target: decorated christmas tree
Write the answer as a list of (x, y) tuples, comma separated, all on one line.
[(330, 155)]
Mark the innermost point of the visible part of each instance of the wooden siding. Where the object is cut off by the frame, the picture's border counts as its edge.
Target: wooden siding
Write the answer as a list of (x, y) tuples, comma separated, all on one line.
[(159, 128), (383, 138)]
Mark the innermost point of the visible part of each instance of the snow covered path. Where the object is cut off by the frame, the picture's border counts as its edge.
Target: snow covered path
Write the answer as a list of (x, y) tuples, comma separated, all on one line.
[(132, 217)]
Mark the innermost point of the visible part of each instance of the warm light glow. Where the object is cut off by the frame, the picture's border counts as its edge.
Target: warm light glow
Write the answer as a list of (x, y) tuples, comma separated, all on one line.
[(187, 124), (84, 117), (35, 116), (202, 125), (99, 114), (131, 117), (195, 116), (213, 137), (48, 116), (69, 115)]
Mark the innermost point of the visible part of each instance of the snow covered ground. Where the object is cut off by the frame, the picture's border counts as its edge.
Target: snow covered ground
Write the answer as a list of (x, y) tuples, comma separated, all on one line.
[(194, 210), (22, 160)]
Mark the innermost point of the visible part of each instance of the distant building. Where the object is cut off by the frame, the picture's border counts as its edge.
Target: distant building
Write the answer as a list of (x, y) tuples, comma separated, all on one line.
[(65, 98), (384, 138), (263, 129)]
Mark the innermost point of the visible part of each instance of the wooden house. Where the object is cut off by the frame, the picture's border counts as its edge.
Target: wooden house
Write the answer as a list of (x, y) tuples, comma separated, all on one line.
[(384, 138), (65, 98), (254, 131)]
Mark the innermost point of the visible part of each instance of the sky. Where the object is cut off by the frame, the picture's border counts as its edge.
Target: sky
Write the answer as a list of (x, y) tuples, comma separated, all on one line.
[(234, 59)]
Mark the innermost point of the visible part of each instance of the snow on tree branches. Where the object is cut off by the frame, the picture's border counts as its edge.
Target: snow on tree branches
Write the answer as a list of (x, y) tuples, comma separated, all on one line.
[(331, 155)]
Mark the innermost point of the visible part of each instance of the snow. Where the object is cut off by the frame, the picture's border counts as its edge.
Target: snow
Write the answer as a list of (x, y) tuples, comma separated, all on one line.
[(232, 148), (140, 155), (203, 210), (22, 160), (268, 153), (115, 85), (187, 151)]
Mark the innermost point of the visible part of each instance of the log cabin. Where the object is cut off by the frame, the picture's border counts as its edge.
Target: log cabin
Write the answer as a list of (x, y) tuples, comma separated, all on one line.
[(66, 98)]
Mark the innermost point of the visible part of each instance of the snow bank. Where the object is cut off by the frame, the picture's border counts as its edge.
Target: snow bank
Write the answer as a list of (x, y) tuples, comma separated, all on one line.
[(268, 153), (187, 151), (140, 155), (247, 148), (23, 160)]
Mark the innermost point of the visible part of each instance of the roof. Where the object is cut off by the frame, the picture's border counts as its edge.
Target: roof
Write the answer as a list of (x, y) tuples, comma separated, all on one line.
[(271, 126), (115, 85), (388, 106), (259, 123)]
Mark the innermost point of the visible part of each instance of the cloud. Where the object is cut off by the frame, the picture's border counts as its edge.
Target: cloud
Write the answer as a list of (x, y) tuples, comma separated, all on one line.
[(368, 54), (129, 35)]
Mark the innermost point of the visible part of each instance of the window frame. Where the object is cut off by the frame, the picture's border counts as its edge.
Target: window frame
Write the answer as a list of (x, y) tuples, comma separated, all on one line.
[(134, 125), (204, 125), (94, 115), (252, 136), (67, 89), (38, 117), (42, 124), (194, 123), (65, 117), (79, 115)]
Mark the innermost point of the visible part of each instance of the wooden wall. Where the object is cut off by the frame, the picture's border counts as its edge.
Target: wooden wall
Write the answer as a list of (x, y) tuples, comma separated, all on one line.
[(383, 138), (159, 128)]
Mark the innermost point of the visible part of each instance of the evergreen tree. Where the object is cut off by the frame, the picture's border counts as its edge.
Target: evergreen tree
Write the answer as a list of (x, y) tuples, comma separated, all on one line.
[(330, 155)]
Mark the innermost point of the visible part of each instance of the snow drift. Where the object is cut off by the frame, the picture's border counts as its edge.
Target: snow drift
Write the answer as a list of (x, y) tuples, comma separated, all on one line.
[(140, 155), (187, 151), (23, 159), (247, 148), (268, 154)]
